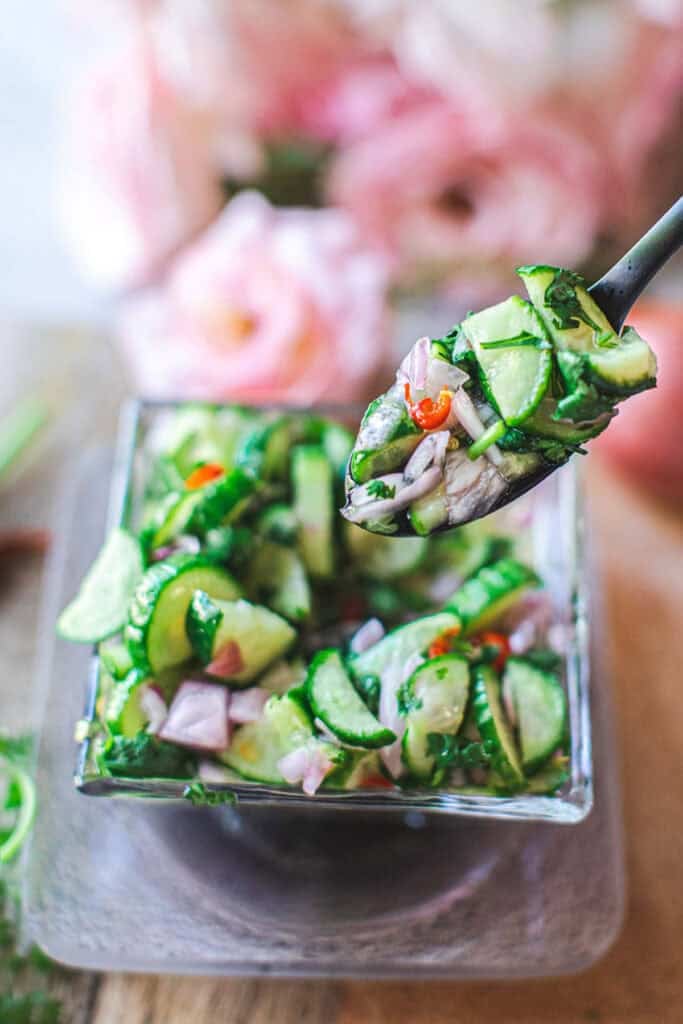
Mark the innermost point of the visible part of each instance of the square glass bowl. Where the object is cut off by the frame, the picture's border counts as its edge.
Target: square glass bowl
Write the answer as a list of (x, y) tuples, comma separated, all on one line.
[(553, 521)]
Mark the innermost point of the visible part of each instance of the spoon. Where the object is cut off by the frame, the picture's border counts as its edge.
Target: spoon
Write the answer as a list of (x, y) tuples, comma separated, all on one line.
[(615, 293), (618, 289)]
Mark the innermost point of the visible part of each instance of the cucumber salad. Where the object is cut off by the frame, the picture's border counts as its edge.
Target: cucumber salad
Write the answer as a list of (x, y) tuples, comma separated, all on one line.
[(247, 633), (476, 418)]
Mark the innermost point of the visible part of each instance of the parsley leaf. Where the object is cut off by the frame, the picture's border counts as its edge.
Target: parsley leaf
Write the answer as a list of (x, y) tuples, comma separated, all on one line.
[(455, 752), (561, 297), (378, 489), (522, 340)]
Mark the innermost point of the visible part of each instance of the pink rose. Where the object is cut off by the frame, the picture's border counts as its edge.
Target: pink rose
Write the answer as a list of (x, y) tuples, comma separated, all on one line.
[(268, 305), (138, 176), (444, 191)]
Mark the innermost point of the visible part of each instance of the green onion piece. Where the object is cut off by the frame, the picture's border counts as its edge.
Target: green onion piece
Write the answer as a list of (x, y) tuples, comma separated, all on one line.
[(489, 437), (18, 429), (27, 809)]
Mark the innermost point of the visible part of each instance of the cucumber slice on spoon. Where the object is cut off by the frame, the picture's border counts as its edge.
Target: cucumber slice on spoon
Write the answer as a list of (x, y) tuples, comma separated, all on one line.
[(518, 387)]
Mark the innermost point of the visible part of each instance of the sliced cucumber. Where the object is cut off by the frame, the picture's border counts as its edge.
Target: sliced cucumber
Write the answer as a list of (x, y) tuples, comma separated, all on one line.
[(265, 452), (283, 676), (337, 443), (494, 728), (278, 523), (627, 368), (256, 748), (335, 702), (489, 592), (428, 513), (155, 632), (116, 658), (277, 578), (550, 778), (221, 502), (123, 715), (101, 606), (176, 517), (255, 635), (312, 484), (401, 643), (541, 707), (573, 319), (384, 558), (543, 424), (514, 355), (386, 439), (438, 693), (359, 767)]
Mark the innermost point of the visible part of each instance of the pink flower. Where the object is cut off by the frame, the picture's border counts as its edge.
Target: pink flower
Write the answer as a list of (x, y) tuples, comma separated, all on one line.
[(266, 58), (442, 190), (138, 176), (267, 305)]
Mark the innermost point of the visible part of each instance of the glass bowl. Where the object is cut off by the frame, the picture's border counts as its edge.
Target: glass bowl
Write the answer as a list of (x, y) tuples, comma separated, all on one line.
[(553, 516)]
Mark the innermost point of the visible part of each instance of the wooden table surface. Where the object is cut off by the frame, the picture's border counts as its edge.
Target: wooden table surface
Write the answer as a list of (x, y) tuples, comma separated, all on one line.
[(640, 978)]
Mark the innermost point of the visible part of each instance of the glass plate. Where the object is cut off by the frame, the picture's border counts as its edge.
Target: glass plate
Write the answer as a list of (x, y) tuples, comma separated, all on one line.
[(294, 890), (555, 524)]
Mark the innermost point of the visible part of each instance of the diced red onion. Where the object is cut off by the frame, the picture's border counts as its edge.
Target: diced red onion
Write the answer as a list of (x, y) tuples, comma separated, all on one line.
[(308, 764), (413, 369), (508, 701), (198, 717), (431, 450), (153, 706), (443, 585), (247, 705), (392, 677), (441, 374), (228, 661), (559, 636), (464, 412), (369, 634), (387, 506)]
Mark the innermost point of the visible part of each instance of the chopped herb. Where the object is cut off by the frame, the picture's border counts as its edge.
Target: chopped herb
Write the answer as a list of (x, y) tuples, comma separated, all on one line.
[(456, 752), (406, 699), (200, 796), (379, 489), (144, 756), (523, 340), (561, 297)]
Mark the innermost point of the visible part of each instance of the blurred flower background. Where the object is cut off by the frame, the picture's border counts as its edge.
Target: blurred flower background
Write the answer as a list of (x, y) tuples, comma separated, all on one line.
[(399, 149)]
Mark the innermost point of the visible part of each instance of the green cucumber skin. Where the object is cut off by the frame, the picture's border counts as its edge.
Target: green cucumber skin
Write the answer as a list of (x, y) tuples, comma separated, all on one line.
[(488, 592), (405, 640), (148, 593), (381, 735), (313, 485), (219, 499), (122, 717), (510, 774), (533, 755), (386, 439), (413, 733), (99, 609), (202, 622)]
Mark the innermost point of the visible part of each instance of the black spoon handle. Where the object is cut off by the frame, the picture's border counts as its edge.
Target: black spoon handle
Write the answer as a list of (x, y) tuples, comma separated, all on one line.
[(618, 289)]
